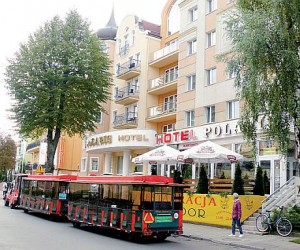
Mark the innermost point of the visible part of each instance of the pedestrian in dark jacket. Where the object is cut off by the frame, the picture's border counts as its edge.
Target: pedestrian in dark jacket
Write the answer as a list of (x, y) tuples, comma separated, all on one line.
[(236, 215)]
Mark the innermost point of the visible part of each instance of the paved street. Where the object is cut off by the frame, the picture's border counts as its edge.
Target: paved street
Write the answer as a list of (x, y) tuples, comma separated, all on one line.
[(20, 231)]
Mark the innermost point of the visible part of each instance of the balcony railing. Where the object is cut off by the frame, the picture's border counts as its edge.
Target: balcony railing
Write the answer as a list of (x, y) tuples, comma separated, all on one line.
[(131, 65), (129, 119), (162, 109), (163, 80), (165, 51), (128, 91)]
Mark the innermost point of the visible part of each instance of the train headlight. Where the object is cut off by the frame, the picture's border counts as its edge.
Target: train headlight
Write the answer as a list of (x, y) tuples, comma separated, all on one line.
[(176, 216)]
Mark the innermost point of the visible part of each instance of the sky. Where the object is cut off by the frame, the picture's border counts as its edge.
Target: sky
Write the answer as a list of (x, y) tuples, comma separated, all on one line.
[(20, 18)]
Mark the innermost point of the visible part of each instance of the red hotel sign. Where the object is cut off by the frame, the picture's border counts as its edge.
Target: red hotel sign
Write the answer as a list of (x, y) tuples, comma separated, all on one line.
[(176, 137)]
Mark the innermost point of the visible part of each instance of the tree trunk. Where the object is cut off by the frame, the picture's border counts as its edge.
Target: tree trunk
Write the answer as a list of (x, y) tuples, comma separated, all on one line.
[(52, 145)]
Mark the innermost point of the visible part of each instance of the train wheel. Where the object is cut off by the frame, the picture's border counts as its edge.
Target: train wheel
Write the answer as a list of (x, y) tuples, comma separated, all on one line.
[(76, 224), (162, 236)]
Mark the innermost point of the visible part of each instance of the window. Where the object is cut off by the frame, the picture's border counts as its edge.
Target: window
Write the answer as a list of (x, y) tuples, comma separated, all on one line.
[(190, 118), (171, 74), (170, 103), (192, 46), (168, 128), (191, 82), (94, 165), (210, 114), (120, 165), (211, 5), (193, 14), (99, 118), (211, 75), (211, 38), (83, 164), (114, 116), (233, 109)]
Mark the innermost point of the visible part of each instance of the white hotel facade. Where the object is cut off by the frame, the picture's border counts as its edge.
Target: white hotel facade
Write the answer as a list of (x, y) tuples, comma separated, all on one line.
[(168, 88)]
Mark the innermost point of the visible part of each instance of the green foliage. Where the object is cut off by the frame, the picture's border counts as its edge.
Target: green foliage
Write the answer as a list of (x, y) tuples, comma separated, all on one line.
[(177, 176), (293, 214), (265, 58), (186, 171), (238, 183), (8, 151), (59, 80), (202, 187), (259, 182)]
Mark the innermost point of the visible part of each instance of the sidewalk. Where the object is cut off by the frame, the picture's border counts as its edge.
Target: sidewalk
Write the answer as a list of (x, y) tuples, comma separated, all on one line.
[(249, 241)]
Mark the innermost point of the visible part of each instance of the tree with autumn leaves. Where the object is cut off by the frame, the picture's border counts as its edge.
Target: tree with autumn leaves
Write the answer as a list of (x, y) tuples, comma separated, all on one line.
[(7, 155)]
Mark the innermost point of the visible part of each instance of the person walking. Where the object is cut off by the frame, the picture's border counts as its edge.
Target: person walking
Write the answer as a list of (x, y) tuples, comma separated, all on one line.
[(4, 189), (236, 216)]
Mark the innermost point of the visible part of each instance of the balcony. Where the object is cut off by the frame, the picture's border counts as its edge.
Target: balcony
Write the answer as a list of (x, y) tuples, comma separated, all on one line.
[(163, 112), (129, 70), (127, 95), (124, 121), (163, 84), (165, 56)]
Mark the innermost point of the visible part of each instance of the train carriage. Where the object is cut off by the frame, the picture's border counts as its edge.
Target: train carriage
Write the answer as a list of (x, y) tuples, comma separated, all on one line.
[(138, 206), (14, 198), (46, 194)]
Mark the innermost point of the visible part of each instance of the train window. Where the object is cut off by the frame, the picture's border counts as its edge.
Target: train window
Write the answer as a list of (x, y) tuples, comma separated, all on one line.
[(163, 198), (25, 187), (178, 198), (136, 197)]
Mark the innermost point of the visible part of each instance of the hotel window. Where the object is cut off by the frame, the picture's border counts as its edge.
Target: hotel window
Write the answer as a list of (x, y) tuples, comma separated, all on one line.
[(99, 118), (193, 14), (233, 109), (192, 46), (211, 38), (211, 76), (83, 164), (191, 82), (94, 166), (168, 128), (120, 165), (190, 118), (114, 116), (211, 5), (210, 114), (170, 103), (171, 74)]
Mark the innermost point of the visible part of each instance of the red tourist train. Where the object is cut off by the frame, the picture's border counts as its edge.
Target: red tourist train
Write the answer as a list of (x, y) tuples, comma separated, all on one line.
[(45, 194), (136, 206)]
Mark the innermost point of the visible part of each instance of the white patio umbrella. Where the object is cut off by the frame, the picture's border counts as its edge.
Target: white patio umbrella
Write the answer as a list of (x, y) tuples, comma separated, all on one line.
[(161, 155), (209, 152)]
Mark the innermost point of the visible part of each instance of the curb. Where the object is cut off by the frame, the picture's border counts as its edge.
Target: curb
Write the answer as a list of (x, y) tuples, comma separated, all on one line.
[(222, 242)]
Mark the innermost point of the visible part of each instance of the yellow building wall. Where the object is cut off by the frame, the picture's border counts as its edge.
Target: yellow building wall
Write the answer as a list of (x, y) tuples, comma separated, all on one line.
[(69, 153), (217, 209)]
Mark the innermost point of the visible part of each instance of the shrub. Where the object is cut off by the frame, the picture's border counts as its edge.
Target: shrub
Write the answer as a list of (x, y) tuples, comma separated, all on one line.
[(202, 187), (259, 182), (238, 183)]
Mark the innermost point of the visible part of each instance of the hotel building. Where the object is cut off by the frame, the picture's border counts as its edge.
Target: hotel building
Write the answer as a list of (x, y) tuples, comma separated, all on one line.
[(168, 88)]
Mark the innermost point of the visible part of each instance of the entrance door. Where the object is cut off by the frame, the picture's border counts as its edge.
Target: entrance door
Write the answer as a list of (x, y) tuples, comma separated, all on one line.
[(272, 168)]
